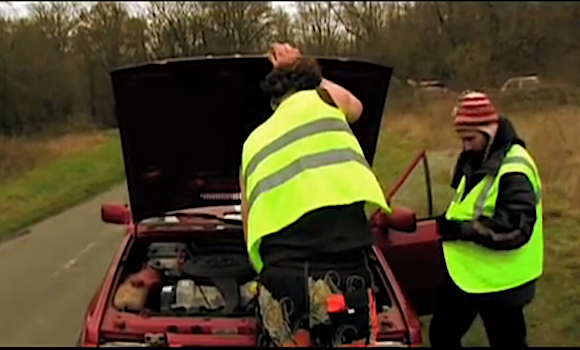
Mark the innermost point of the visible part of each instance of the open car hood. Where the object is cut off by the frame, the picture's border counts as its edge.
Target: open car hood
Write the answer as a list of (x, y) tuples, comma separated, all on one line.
[(183, 123)]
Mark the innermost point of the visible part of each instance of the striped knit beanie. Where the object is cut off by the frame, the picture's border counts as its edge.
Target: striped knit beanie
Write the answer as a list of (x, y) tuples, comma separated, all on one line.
[(476, 112)]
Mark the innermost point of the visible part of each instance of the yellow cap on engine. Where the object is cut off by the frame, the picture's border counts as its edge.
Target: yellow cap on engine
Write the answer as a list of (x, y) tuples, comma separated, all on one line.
[(253, 288)]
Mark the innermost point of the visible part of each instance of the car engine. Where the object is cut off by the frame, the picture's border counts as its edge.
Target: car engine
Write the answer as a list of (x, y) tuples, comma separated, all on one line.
[(185, 279)]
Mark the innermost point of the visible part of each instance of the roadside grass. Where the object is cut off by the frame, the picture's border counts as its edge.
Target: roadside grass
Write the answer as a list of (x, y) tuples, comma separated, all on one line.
[(81, 168), (21, 154), (553, 318)]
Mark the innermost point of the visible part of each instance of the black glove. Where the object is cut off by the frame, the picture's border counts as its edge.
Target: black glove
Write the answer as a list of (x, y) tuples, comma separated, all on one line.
[(448, 229)]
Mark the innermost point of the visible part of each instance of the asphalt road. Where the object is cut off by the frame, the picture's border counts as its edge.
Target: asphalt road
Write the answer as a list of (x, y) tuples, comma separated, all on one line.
[(48, 276)]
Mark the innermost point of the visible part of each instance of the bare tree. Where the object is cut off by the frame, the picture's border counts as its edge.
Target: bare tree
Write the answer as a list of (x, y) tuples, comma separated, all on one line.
[(283, 27), (107, 38), (237, 26), (175, 29), (319, 30), (55, 63)]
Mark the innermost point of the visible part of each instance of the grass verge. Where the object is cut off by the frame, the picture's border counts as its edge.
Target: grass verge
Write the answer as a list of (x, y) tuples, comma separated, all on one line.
[(58, 184)]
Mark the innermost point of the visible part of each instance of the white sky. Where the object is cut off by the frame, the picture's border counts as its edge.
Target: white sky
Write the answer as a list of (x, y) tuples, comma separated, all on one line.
[(20, 8)]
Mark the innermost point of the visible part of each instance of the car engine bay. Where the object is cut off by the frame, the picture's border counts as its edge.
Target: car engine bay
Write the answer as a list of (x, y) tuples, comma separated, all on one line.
[(206, 276)]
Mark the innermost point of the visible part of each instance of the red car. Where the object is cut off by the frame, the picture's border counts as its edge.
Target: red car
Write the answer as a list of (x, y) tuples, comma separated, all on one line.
[(181, 276)]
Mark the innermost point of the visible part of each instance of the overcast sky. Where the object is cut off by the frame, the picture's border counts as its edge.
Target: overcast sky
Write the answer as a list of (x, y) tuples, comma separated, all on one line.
[(19, 8)]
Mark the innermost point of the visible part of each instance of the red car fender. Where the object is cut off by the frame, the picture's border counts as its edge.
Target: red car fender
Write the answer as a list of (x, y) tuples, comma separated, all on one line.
[(94, 317), (88, 315), (407, 311)]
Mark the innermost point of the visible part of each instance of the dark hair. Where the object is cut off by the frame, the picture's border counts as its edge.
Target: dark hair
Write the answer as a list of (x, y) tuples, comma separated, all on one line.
[(304, 74)]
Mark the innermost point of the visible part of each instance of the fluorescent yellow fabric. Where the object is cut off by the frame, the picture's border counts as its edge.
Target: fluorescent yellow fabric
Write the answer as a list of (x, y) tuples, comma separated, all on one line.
[(304, 157), (477, 269)]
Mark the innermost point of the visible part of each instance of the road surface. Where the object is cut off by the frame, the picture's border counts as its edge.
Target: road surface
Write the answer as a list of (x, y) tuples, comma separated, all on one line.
[(48, 276)]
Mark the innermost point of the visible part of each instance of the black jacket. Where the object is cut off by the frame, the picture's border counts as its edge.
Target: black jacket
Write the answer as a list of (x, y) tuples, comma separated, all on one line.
[(515, 211)]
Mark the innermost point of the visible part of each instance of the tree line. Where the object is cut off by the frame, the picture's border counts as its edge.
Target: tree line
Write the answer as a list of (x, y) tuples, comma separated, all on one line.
[(55, 62)]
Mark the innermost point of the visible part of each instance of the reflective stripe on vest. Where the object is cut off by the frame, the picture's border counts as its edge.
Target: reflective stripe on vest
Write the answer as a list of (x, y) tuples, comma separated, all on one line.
[(302, 158), (477, 269), (308, 162), (309, 129), (484, 194)]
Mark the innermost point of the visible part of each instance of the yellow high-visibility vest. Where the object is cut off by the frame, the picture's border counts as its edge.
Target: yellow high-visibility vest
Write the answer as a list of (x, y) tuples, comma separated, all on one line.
[(302, 158), (477, 269)]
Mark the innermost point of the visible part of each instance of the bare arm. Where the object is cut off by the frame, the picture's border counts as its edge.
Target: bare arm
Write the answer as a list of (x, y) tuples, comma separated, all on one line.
[(344, 99)]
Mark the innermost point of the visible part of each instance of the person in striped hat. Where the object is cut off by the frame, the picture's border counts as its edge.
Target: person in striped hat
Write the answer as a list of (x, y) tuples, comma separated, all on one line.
[(492, 232)]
